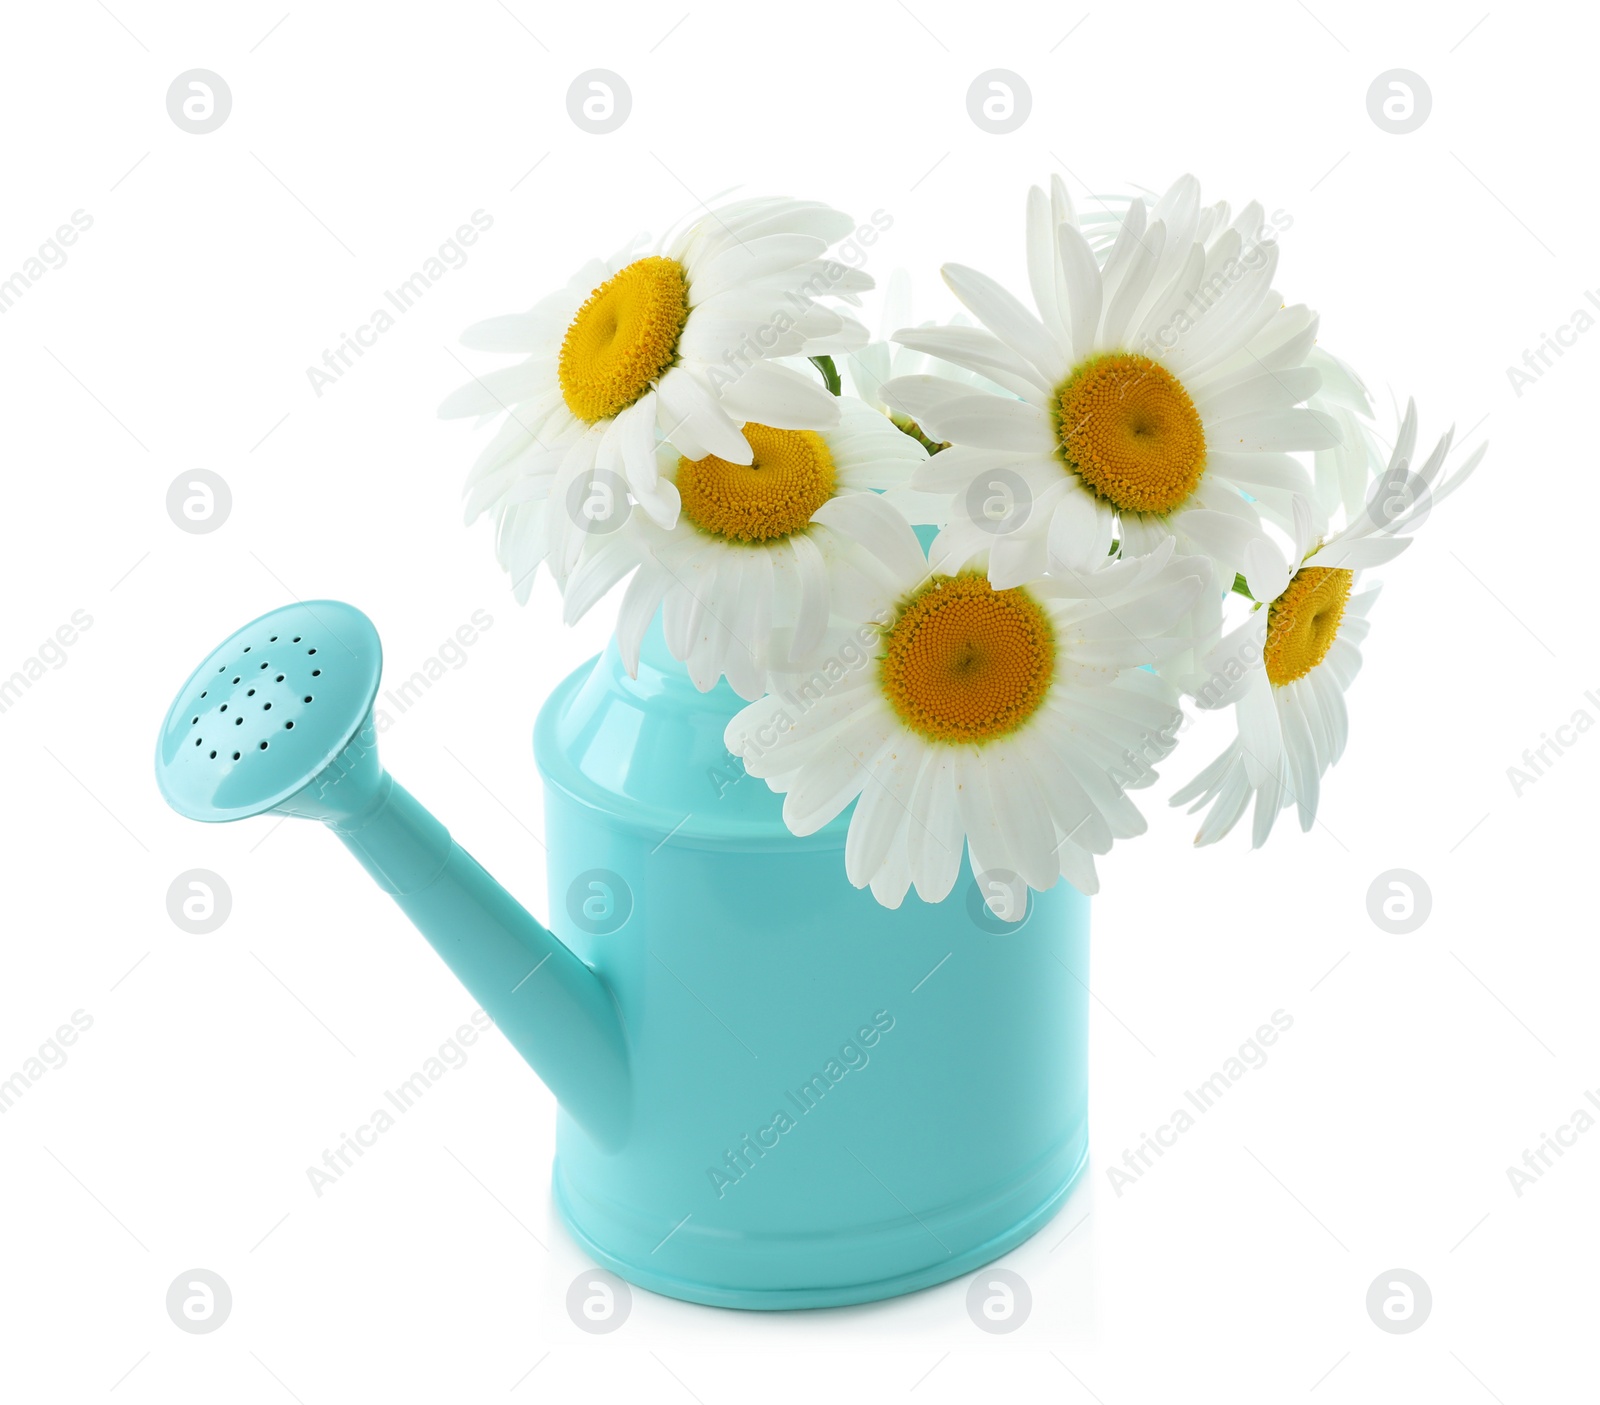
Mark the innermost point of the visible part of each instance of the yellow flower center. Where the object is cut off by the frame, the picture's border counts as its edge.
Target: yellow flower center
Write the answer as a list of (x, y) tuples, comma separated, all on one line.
[(789, 477), (964, 662), (1303, 622), (1129, 430), (623, 338)]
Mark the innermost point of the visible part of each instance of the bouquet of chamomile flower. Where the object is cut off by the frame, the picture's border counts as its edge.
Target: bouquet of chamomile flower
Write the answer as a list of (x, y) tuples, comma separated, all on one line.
[(970, 596)]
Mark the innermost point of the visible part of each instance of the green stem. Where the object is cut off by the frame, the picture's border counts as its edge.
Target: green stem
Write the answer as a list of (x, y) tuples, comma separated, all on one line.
[(1241, 587), (909, 426), (830, 374)]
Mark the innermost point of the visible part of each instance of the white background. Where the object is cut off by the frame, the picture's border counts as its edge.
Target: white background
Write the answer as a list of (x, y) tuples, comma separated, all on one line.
[(177, 336)]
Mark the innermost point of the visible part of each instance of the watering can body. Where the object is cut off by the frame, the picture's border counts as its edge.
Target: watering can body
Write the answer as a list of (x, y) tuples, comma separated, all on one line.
[(828, 1101), (774, 1093)]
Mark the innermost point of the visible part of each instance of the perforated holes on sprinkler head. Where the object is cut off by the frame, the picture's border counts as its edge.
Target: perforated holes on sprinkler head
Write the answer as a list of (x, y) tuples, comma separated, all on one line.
[(268, 710)]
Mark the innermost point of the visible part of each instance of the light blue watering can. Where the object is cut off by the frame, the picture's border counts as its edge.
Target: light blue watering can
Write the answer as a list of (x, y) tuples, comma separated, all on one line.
[(774, 1092)]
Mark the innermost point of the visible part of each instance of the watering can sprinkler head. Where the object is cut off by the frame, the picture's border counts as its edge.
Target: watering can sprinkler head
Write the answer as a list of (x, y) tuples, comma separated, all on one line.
[(278, 719)]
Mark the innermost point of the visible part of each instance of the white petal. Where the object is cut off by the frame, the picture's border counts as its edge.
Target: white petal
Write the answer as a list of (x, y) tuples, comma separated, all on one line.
[(751, 260), (690, 419), (780, 397), (1081, 531), (1009, 320), (1273, 430), (498, 390), (868, 521), (992, 422), (811, 581), (639, 604), (1085, 288)]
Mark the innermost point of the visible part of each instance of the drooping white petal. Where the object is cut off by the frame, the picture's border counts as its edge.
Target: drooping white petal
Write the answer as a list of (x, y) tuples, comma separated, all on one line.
[(778, 396), (689, 418)]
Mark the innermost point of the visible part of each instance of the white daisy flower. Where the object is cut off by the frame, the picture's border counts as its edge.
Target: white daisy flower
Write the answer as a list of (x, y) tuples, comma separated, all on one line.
[(872, 366), (1157, 396), (1101, 226), (1343, 473), (742, 577), (1286, 668), (954, 713), (880, 361), (677, 344)]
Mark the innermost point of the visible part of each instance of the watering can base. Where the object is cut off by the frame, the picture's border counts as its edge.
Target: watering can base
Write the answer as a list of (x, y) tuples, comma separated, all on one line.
[(856, 1256)]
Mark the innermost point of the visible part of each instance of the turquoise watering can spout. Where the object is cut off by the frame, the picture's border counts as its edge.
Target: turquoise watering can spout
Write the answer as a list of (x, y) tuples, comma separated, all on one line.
[(279, 719)]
